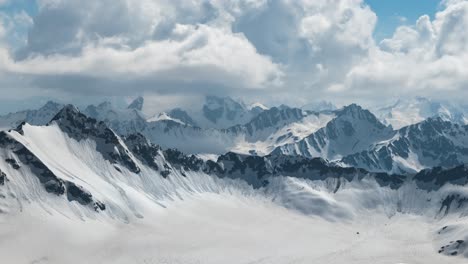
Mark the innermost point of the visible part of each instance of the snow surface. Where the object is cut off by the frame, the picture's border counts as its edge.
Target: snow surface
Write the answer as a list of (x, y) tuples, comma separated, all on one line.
[(200, 218), (204, 219), (224, 227), (263, 142), (410, 111)]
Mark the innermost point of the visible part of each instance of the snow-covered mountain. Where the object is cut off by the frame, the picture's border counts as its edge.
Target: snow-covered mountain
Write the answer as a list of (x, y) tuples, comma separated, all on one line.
[(414, 110), (275, 127), (218, 113), (433, 142), (353, 130), (123, 121), (269, 129), (100, 193), (319, 106), (35, 117)]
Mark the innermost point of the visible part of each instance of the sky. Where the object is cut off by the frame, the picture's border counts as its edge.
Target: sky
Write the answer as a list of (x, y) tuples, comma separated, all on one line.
[(173, 52)]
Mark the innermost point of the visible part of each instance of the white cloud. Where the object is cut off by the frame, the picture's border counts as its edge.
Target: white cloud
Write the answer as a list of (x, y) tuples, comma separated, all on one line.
[(289, 48), (428, 58), (197, 53)]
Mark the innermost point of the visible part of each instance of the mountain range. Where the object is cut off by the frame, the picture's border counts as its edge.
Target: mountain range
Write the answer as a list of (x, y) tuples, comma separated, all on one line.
[(350, 136), (77, 167), (106, 167)]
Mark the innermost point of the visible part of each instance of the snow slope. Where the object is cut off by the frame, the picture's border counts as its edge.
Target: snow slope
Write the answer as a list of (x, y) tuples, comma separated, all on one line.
[(410, 111), (35, 117), (179, 209), (354, 129), (433, 142)]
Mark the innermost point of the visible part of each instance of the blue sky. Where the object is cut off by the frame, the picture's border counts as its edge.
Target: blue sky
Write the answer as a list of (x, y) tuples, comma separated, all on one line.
[(278, 51), (391, 12)]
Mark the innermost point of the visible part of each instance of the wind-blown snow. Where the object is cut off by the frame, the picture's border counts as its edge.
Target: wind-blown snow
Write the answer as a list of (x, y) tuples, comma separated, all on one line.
[(193, 217)]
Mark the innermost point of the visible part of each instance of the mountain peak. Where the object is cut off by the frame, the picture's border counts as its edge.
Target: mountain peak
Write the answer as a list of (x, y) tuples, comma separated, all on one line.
[(137, 104), (79, 126), (179, 114), (51, 105), (214, 102), (352, 107), (66, 112), (319, 106), (216, 109)]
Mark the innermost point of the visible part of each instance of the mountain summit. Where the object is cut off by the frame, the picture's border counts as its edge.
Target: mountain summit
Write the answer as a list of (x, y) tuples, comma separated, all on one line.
[(137, 104)]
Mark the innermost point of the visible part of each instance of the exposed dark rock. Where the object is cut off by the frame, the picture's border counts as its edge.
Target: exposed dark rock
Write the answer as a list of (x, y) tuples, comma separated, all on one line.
[(439, 176), (143, 149), (448, 202), (165, 173), (79, 127), (13, 163), (78, 194), (50, 182), (256, 170), (180, 160), (434, 141), (3, 177)]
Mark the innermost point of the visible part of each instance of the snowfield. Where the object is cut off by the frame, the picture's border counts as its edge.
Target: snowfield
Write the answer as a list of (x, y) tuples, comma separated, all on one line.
[(221, 228), (193, 217)]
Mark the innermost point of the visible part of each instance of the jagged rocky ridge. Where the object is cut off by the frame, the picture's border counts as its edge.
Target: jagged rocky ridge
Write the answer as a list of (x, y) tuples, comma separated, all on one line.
[(351, 136), (255, 170), (134, 156), (19, 155), (431, 143), (80, 127)]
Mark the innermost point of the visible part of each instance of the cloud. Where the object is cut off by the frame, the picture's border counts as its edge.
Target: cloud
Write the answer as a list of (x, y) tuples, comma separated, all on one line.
[(293, 50), (430, 57), (194, 53), (80, 43)]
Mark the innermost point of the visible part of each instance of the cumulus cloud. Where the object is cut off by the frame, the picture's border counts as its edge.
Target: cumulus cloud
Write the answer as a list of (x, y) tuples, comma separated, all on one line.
[(262, 48), (429, 57), (119, 46), (195, 53)]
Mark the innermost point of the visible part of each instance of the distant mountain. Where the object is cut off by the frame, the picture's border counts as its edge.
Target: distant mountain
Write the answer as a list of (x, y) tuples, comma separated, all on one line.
[(122, 121), (218, 113), (182, 116), (34, 117), (137, 104), (350, 137), (275, 127), (354, 129), (319, 106), (433, 142), (414, 110), (76, 176)]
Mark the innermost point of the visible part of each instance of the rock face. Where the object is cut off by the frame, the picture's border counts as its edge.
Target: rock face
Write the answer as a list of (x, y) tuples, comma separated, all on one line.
[(257, 170), (80, 127), (3, 177), (353, 130), (51, 183), (437, 177), (137, 104), (183, 116), (431, 143), (145, 151), (271, 118)]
